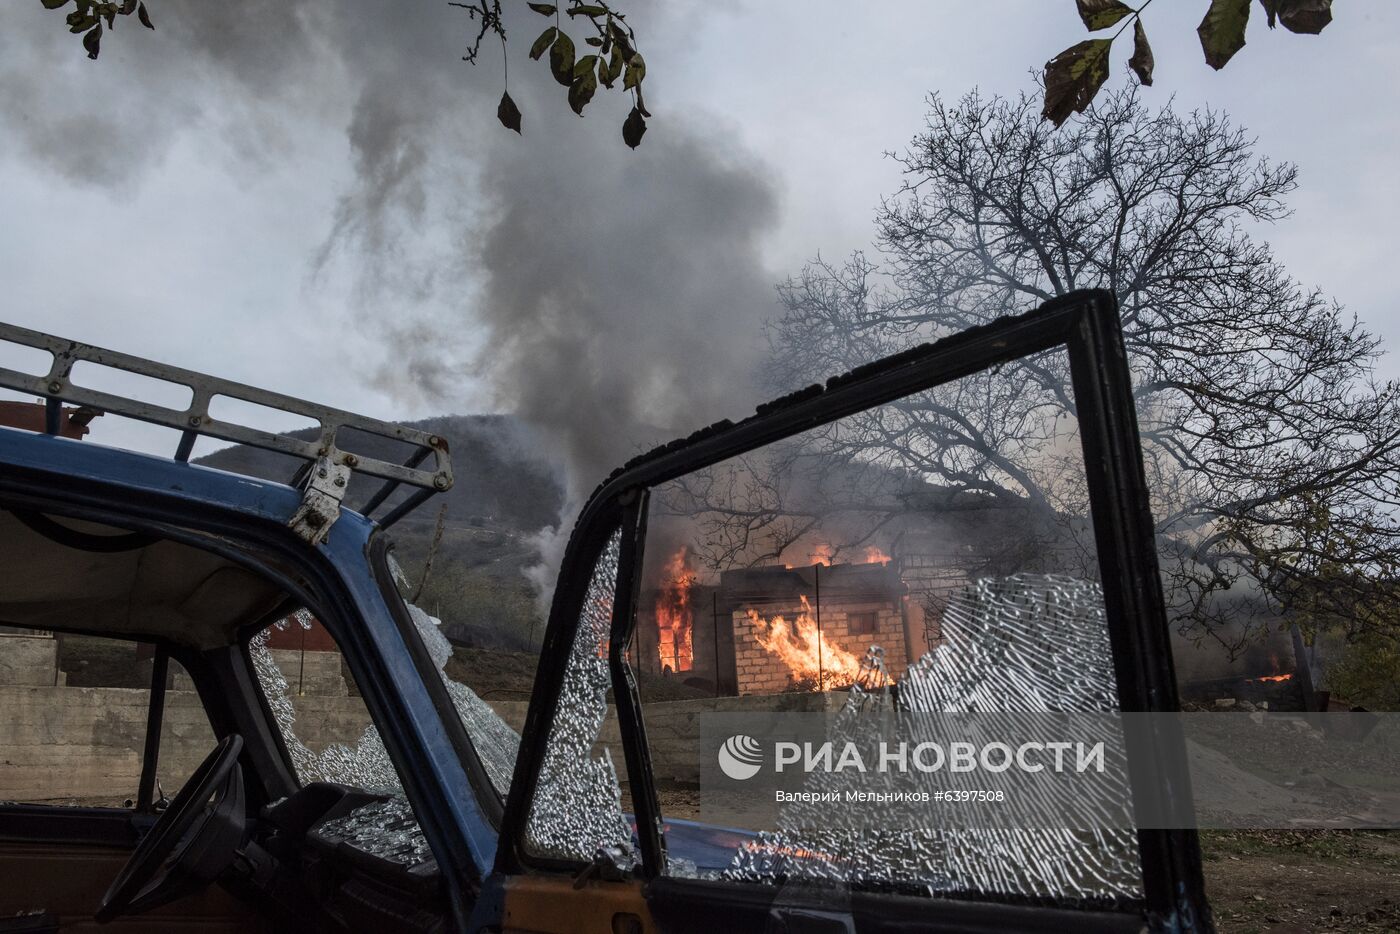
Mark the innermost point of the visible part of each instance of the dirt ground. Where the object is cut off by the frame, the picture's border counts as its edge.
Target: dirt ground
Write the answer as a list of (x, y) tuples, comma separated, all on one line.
[(1300, 882)]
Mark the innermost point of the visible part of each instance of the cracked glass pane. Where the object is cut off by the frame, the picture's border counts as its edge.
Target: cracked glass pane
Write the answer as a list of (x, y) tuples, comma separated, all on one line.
[(577, 812), (935, 554), (496, 742), (326, 729), (324, 724), (1020, 644)]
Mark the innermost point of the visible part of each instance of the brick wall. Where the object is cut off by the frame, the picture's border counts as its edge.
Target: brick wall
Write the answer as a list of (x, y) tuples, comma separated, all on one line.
[(760, 672)]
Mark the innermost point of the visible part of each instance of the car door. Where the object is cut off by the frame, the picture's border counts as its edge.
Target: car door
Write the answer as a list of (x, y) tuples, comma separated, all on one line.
[(99, 732), (977, 506)]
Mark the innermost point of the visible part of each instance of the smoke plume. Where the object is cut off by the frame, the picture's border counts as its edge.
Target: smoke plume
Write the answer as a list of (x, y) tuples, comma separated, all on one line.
[(609, 297)]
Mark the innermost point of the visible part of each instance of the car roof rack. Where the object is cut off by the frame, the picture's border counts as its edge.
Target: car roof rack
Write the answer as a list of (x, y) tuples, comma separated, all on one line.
[(326, 472)]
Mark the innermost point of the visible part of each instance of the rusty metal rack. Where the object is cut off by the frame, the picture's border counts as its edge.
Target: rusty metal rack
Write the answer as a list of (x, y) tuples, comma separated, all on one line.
[(327, 467)]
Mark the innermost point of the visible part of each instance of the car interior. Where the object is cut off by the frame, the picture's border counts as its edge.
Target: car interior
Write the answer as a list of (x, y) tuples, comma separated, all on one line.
[(222, 833)]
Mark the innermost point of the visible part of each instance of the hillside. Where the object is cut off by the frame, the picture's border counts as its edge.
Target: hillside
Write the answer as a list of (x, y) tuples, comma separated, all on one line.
[(503, 495)]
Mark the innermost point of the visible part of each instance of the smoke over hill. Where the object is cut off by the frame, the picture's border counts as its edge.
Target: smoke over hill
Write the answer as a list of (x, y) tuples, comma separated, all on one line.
[(506, 490)]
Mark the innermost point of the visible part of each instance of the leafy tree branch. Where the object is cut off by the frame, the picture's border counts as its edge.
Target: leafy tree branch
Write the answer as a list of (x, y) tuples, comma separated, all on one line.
[(1074, 77), (612, 46)]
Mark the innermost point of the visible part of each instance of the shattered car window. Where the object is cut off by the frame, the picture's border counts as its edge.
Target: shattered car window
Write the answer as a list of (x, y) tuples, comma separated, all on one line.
[(495, 741), (578, 811), (996, 657), (329, 736), (324, 724), (930, 555)]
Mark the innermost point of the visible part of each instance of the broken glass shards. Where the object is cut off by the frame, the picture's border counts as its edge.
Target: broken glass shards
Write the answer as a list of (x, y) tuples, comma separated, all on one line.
[(364, 765), (1014, 645), (386, 829), (577, 811), (1034, 643), (496, 744)]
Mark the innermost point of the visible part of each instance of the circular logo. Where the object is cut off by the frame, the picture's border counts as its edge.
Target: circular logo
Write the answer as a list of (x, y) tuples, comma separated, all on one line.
[(740, 757)]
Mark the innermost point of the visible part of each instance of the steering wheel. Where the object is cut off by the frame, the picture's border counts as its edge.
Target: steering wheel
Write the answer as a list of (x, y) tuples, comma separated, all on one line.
[(190, 844)]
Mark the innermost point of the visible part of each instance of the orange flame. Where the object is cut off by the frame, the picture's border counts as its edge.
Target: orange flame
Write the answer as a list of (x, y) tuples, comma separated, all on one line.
[(673, 619), (1277, 675), (874, 555), (824, 554), (806, 653)]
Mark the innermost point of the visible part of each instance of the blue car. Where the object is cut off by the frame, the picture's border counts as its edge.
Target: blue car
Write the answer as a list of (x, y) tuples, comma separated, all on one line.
[(279, 742)]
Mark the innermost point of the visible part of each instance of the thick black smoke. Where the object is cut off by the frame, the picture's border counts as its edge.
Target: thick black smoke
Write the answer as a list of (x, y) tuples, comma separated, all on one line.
[(609, 297)]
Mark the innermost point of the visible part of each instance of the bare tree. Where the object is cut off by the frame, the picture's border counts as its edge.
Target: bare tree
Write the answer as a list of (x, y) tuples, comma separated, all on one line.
[(1270, 444)]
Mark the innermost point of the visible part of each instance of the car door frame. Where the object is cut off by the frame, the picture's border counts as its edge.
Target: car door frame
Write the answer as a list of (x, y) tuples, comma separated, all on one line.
[(1087, 325), (344, 579)]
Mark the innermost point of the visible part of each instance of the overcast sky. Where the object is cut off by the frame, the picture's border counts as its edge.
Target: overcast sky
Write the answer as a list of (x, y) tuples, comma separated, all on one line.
[(316, 197)]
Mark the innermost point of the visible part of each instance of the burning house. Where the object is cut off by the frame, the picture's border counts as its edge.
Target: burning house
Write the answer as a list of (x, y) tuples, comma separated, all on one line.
[(772, 629)]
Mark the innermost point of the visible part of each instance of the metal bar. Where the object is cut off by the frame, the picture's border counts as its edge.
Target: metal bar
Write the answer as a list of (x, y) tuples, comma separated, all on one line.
[(155, 715), (1124, 533), (388, 488), (58, 387), (646, 810), (407, 506), (186, 446), (298, 481), (53, 415)]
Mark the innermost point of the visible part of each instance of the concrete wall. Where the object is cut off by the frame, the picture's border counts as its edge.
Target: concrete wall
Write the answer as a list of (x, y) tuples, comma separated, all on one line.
[(84, 745), (64, 743), (28, 660), (673, 727), (311, 672), (321, 721)]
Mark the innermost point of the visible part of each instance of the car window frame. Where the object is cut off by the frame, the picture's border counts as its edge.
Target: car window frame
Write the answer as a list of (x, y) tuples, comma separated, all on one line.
[(1086, 325), (143, 800), (257, 537), (492, 800), (378, 551)]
